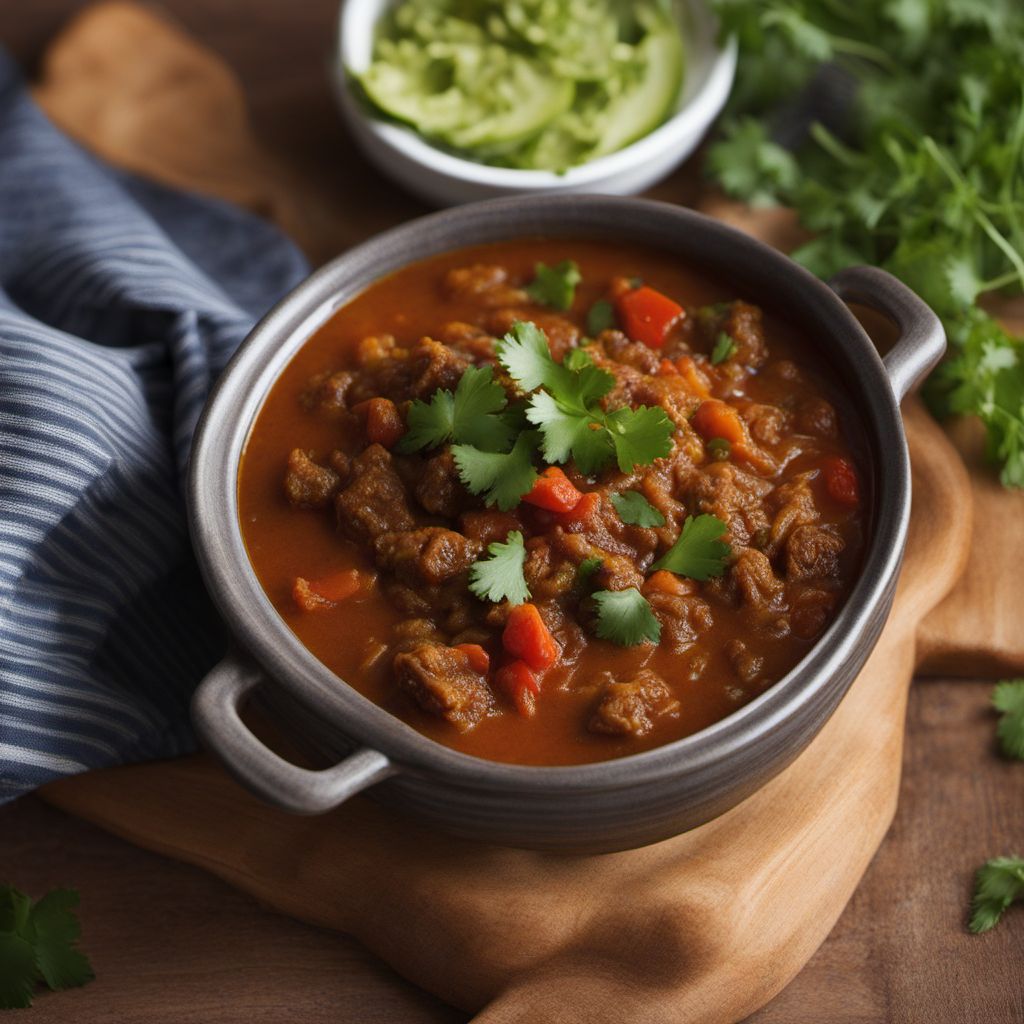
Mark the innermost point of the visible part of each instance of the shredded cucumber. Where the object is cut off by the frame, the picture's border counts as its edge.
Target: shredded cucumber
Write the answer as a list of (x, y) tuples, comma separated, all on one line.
[(538, 84)]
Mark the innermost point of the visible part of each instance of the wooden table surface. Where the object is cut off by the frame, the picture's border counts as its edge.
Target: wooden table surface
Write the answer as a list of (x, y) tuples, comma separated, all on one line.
[(172, 944)]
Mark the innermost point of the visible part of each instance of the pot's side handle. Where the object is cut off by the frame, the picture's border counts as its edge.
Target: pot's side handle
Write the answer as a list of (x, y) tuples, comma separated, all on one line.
[(215, 709), (922, 340)]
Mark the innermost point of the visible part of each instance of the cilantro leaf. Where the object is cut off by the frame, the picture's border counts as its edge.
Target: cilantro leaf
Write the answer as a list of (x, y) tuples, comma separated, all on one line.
[(501, 477), (569, 433), (577, 359), (635, 510), (725, 348), (998, 883), (625, 618), (37, 942), (585, 571), (1008, 697), (468, 417), (525, 353), (601, 317), (500, 577), (697, 552), (639, 435), (555, 286)]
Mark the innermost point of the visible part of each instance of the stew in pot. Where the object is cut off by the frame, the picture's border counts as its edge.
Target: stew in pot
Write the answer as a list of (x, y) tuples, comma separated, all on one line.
[(555, 501)]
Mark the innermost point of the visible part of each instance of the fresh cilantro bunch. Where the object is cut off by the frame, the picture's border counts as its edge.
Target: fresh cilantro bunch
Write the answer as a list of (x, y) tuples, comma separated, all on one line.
[(38, 944), (999, 882), (921, 170)]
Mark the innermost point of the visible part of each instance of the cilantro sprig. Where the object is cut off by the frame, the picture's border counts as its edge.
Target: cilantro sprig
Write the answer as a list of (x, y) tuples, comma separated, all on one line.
[(725, 348), (555, 286), (500, 577), (625, 618), (38, 944), (998, 883), (565, 405), (635, 510), (697, 553), (502, 478), (1008, 698)]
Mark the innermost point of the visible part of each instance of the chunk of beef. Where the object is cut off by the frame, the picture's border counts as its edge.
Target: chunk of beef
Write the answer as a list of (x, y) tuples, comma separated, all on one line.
[(793, 505), (817, 417), (630, 353), (489, 525), (745, 663), (402, 374), (758, 586), (618, 571), (375, 501), (743, 323), (439, 489), (631, 708), (327, 392), (735, 497), (768, 423), (562, 334), (547, 575), (483, 283), (441, 682), (307, 483), (811, 610), (683, 618), (429, 555), (812, 552)]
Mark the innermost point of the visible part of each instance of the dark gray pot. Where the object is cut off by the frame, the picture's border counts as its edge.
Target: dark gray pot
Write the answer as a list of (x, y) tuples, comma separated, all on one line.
[(615, 804)]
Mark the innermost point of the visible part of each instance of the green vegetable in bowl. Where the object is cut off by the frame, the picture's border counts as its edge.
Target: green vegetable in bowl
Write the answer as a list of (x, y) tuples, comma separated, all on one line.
[(530, 84)]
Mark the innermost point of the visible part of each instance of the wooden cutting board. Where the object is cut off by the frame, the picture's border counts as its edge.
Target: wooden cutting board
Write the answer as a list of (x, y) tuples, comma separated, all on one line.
[(705, 927)]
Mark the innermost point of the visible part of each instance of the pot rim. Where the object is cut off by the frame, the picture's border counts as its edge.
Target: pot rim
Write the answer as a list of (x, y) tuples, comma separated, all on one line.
[(239, 393)]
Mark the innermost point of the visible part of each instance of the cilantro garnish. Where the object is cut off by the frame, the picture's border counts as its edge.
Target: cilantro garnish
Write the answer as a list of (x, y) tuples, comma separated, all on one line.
[(601, 317), (577, 359), (635, 510), (501, 477), (500, 577), (470, 416), (37, 944), (718, 448), (725, 348), (586, 569), (1008, 697), (565, 407), (909, 176), (625, 618), (997, 884), (555, 286), (697, 552)]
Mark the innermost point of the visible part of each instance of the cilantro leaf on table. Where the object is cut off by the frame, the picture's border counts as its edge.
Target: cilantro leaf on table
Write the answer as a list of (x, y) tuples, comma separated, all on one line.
[(625, 618), (555, 286), (469, 416), (725, 348), (37, 943), (998, 883), (500, 577), (635, 510), (601, 317), (1008, 698), (697, 553), (501, 477)]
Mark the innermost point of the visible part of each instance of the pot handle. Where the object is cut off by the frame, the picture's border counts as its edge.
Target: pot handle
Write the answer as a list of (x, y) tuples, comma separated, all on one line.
[(215, 715), (922, 340)]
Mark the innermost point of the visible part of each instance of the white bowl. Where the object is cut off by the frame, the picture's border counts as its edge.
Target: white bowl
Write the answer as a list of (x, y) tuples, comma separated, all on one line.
[(446, 180)]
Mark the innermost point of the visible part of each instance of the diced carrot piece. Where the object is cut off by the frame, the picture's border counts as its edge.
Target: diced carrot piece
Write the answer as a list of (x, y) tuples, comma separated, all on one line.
[(841, 480), (646, 315), (520, 685), (715, 418), (528, 638), (695, 379), (666, 368), (383, 422), (665, 582), (553, 491), (586, 508), (489, 525), (479, 660), (311, 595)]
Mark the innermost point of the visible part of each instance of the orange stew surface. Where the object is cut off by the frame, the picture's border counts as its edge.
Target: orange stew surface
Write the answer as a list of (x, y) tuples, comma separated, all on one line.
[(637, 602)]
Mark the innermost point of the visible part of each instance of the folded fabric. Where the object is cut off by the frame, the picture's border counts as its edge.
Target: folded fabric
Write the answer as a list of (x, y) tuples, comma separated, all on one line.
[(120, 302)]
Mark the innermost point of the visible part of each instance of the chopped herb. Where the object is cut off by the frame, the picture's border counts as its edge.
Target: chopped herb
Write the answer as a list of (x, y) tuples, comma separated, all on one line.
[(38, 944), (697, 552), (565, 407), (500, 577), (998, 883), (601, 317), (718, 448), (577, 359), (555, 286), (725, 348), (625, 618), (470, 416), (586, 570), (635, 510), (501, 477), (1008, 697)]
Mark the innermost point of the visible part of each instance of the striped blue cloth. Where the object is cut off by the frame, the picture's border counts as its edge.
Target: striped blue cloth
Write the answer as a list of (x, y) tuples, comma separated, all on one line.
[(120, 302)]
